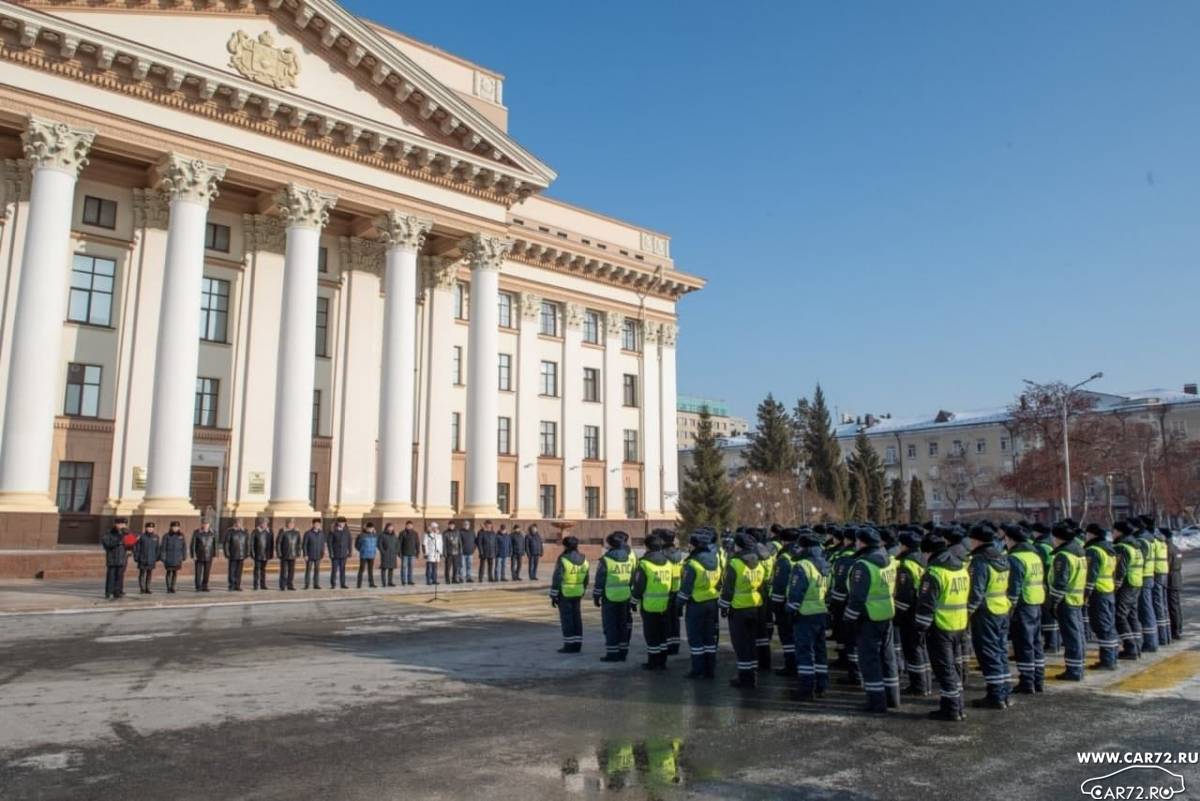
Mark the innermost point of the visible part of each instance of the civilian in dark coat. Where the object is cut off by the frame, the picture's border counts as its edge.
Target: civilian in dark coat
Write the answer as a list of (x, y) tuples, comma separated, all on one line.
[(467, 538), (485, 541), (237, 548), (503, 552), (389, 549), (340, 545), (203, 551), (172, 553), (288, 547), (146, 553), (313, 545), (534, 550), (115, 559), (262, 550), (452, 554), (517, 543), (410, 549)]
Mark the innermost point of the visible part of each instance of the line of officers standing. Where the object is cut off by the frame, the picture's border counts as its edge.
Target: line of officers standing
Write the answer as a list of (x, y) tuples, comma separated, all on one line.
[(911, 599)]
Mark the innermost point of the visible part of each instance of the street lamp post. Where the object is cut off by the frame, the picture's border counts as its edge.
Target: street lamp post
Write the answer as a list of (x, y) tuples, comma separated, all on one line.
[(1065, 439)]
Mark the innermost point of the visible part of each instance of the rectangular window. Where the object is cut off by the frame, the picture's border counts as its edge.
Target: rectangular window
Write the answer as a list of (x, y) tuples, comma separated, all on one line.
[(591, 442), (631, 445), (206, 402), (937, 495), (74, 486), (502, 495), (316, 421), (455, 430), (322, 326), (460, 301), (456, 365), (631, 335), (454, 495), (548, 438), (83, 390), (505, 377), (632, 508), (99, 212), (91, 290), (214, 310), (323, 259), (981, 446), (504, 436), (591, 327), (591, 384), (548, 319), (957, 447), (548, 501), (933, 449), (629, 391), (550, 379), (591, 497), (889, 456), (506, 309), (216, 237), (1003, 444), (312, 490), (912, 451)]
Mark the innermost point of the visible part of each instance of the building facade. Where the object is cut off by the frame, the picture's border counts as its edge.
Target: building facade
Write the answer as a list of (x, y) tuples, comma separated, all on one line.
[(688, 419), (265, 257)]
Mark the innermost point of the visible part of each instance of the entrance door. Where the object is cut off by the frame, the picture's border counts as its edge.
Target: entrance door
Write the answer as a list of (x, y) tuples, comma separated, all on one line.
[(204, 490)]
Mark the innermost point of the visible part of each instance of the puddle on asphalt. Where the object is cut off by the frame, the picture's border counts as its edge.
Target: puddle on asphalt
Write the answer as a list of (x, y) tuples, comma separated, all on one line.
[(656, 765)]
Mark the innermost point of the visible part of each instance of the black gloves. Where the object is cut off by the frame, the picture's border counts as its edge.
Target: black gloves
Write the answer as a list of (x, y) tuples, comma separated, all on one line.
[(633, 606), (596, 600), (724, 611), (554, 601)]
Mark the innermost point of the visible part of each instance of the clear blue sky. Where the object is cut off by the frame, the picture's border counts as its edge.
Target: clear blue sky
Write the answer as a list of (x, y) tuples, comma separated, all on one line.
[(918, 204)]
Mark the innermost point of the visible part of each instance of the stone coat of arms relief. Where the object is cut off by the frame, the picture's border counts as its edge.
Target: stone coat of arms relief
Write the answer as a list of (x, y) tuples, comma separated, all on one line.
[(260, 60)]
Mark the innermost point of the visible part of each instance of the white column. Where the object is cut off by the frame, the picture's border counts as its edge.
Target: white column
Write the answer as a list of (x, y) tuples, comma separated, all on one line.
[(668, 403), (440, 274), (486, 254), (56, 152), (650, 434), (527, 422), (614, 432), (572, 412), (403, 235), (191, 184), (306, 212)]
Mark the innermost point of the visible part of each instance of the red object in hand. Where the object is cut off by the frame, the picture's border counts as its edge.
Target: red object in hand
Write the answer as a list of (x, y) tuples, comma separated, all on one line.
[(130, 539)]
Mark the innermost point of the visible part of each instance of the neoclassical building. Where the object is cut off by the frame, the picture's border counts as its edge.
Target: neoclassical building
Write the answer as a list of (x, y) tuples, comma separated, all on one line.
[(267, 257)]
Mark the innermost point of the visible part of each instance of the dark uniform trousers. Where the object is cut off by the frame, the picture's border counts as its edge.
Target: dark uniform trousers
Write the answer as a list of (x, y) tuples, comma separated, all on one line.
[(916, 660), (171, 578), (260, 574), (743, 633), (762, 637), (787, 634), (812, 664), (672, 623), (617, 619), (145, 576), (202, 571), (114, 580), (1129, 630), (1160, 609), (1026, 631), (848, 639), (337, 571), (1051, 638), (1146, 616), (877, 662), (1175, 610), (570, 616), (654, 629), (235, 573), (287, 574), (533, 566), (312, 571), (703, 620), (487, 564), (515, 564), (946, 657), (369, 566), (989, 637), (1070, 623), (1102, 616)]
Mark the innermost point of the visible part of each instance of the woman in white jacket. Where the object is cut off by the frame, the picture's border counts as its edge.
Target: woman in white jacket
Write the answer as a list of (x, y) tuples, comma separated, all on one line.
[(431, 544)]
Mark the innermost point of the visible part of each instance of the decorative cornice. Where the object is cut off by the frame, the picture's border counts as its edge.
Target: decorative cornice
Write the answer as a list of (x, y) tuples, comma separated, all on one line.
[(670, 333), (642, 278), (531, 305), (365, 255), (573, 315), (56, 145), (440, 272), (305, 207), (191, 179), (485, 252), (400, 230), (614, 323), (650, 333), (150, 209), (264, 233)]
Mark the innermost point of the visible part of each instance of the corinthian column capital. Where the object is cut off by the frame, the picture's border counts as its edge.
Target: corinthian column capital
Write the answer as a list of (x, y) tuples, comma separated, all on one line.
[(56, 145), (191, 179), (486, 252), (304, 207), (400, 230)]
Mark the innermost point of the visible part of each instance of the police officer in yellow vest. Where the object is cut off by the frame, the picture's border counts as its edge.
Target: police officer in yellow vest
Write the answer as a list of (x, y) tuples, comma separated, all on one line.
[(1051, 639), (1068, 577), (1158, 549), (841, 559), (614, 574), (697, 601), (785, 560), (676, 556), (651, 591), (1146, 614), (942, 612), (910, 563), (807, 588), (1099, 594), (766, 624), (988, 604), (567, 587), (741, 598), (870, 608), (1127, 576), (1027, 585)]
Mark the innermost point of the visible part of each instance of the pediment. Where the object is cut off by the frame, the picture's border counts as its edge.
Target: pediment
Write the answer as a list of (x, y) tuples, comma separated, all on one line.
[(307, 65)]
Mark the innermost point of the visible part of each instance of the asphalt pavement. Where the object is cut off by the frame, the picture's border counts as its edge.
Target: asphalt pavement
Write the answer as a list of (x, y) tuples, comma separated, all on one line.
[(395, 696)]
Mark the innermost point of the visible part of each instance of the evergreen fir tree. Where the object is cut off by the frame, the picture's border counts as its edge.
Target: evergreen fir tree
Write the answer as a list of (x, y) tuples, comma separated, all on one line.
[(866, 464), (706, 497), (800, 417), (771, 450), (858, 497), (826, 473), (916, 501), (897, 508)]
